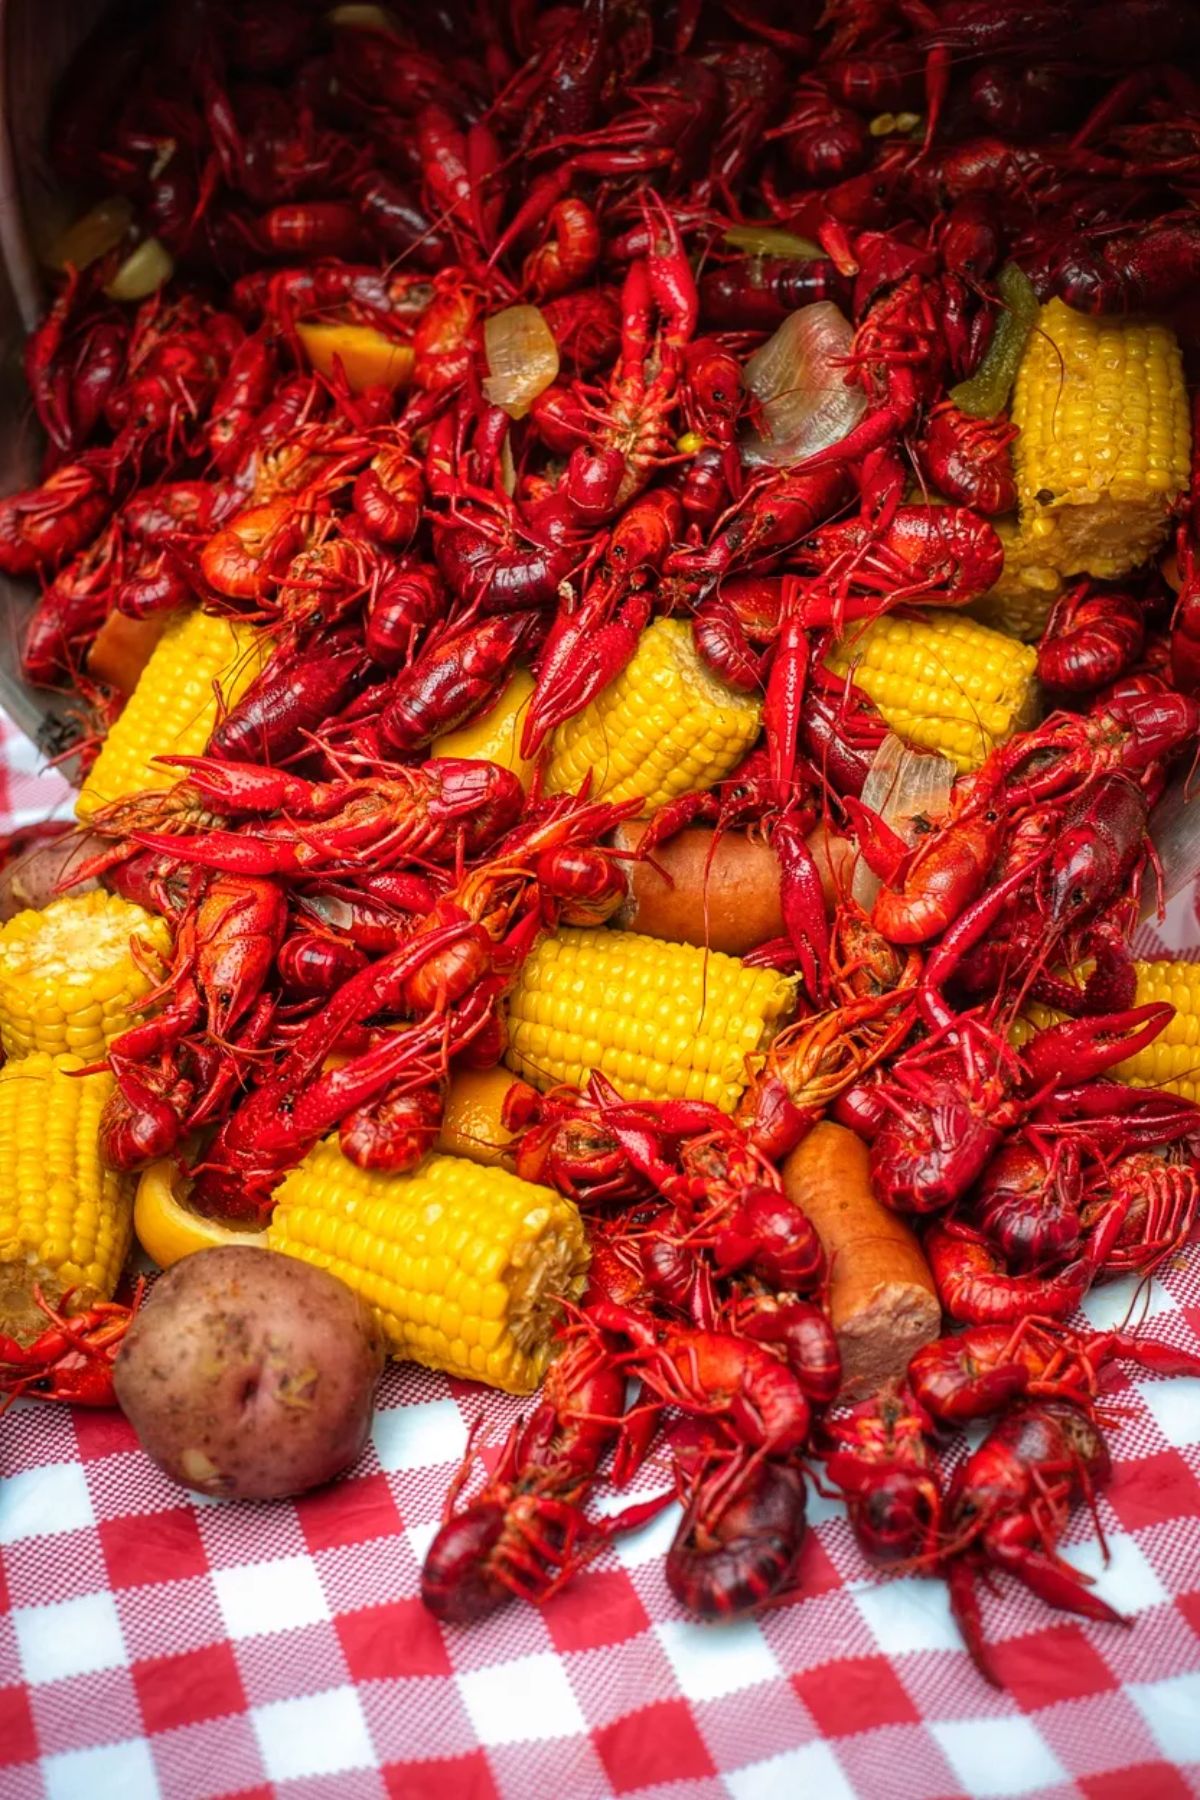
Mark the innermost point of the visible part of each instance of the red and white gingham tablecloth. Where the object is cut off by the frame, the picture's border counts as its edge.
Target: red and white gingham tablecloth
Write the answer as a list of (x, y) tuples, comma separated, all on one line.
[(155, 1644)]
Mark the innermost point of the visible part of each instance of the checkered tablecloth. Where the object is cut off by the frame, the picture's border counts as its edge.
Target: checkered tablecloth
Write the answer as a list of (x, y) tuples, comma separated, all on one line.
[(156, 1644)]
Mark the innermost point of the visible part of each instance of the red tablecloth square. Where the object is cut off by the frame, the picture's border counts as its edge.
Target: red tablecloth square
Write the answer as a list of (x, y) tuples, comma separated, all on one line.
[(597, 1609), (659, 1743), (1155, 1487), (1144, 1781), (1059, 1663), (448, 1778), (158, 1546), (182, 1690), (18, 1740), (381, 1642), (854, 1695), (348, 1513), (103, 1433)]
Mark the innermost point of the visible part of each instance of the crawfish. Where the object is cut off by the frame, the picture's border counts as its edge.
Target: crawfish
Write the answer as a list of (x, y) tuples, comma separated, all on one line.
[(43, 527), (430, 811), (1091, 638), (1028, 1201), (1156, 1202), (929, 885), (879, 1461), (72, 1358), (982, 1369), (525, 1532), (1007, 1506), (740, 1538), (968, 460)]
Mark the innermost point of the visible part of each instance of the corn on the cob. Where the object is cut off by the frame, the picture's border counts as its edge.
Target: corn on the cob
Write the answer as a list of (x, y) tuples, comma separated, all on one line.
[(665, 726), (65, 1219), (1105, 440), (1021, 601), (1173, 1059), (943, 682), (662, 1021), (69, 982), (466, 1266), (174, 707)]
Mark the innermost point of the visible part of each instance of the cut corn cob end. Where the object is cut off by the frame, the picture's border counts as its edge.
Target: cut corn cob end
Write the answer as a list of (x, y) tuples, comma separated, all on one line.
[(661, 1021), (1021, 601), (175, 705), (943, 682), (466, 1267), (69, 981), (65, 1220), (665, 726), (1172, 1061), (1105, 444)]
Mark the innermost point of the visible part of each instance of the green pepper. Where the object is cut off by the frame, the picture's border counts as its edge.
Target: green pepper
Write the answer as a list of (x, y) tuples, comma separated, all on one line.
[(768, 240), (986, 392)]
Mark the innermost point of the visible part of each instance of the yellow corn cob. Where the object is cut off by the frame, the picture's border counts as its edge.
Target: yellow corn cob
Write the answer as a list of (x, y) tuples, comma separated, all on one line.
[(665, 726), (1021, 601), (662, 1021), (173, 709), (1173, 1059), (466, 1267), (1105, 444), (943, 682), (69, 981), (65, 1219)]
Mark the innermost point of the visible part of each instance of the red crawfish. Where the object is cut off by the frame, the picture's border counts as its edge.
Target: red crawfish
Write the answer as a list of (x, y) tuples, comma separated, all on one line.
[(1134, 733), (590, 643), (1091, 638), (945, 1107), (1028, 1200), (739, 1384), (400, 609), (70, 611), (945, 555), (72, 1359), (929, 885), (981, 1370), (296, 692), (432, 811), (455, 676), (1155, 1200), (877, 1458), (1007, 1506), (798, 1329), (524, 1532), (969, 460), (740, 1538), (42, 527), (976, 1288)]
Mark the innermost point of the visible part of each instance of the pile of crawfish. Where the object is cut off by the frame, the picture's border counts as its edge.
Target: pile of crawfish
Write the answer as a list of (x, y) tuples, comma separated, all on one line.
[(348, 913)]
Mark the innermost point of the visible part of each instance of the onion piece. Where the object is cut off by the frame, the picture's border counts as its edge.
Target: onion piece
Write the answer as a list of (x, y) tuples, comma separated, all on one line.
[(768, 240), (799, 379), (143, 272), (902, 787), (522, 358), (96, 232)]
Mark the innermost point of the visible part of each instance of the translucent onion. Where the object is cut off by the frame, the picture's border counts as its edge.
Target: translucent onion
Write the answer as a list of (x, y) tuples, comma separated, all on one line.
[(768, 240), (799, 379), (522, 358), (902, 787), (143, 272), (96, 232)]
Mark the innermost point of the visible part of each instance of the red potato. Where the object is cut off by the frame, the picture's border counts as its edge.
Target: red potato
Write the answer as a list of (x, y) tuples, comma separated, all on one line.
[(717, 890), (882, 1301), (122, 647), (33, 862), (250, 1374)]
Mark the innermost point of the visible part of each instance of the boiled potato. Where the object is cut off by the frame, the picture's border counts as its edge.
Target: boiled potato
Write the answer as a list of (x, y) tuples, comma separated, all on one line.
[(250, 1374)]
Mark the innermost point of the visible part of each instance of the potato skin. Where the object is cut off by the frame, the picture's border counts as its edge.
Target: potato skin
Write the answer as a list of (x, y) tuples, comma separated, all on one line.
[(35, 862), (250, 1374), (721, 891)]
